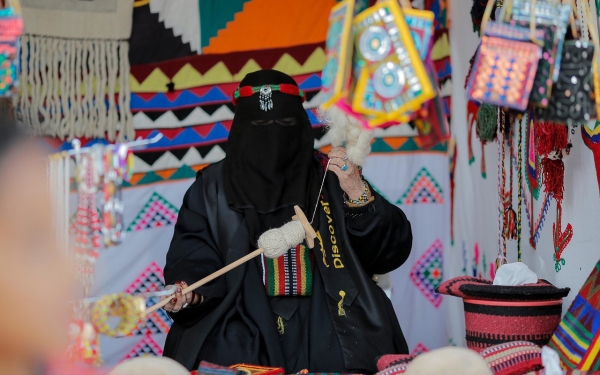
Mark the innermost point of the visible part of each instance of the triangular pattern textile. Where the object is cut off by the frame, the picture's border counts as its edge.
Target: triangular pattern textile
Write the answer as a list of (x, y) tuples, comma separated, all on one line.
[(577, 338), (157, 213), (419, 349), (427, 273), (154, 38), (423, 189), (145, 347), (203, 70), (151, 280)]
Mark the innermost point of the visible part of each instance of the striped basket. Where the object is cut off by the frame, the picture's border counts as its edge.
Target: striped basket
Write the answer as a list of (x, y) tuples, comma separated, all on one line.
[(490, 323)]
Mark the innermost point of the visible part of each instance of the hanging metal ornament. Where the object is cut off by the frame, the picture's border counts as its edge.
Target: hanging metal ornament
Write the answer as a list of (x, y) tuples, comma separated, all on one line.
[(266, 103)]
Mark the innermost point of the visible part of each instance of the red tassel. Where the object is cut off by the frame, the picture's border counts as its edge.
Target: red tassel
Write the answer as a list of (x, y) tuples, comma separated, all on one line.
[(553, 175), (550, 137), (472, 110)]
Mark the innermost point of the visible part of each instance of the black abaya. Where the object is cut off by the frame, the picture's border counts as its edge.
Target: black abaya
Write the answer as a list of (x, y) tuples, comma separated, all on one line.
[(237, 322)]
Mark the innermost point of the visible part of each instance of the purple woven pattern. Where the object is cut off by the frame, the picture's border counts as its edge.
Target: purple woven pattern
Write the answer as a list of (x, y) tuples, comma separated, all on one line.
[(473, 287), (515, 357)]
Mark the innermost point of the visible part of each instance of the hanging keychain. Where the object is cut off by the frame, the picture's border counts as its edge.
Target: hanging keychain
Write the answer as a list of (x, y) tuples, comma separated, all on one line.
[(118, 166)]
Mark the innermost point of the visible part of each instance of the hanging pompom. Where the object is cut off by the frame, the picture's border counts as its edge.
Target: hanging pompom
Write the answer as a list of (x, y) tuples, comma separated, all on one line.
[(553, 172), (550, 137), (487, 122)]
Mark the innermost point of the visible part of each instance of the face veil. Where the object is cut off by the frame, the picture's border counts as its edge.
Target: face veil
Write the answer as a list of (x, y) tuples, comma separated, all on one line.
[(269, 163)]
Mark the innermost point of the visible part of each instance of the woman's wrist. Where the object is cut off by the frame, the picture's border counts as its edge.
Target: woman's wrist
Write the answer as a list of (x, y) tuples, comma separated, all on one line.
[(196, 299), (359, 198)]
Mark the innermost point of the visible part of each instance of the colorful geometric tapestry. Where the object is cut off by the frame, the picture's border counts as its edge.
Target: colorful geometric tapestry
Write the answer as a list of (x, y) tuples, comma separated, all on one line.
[(158, 212), (427, 273), (187, 57), (577, 338), (151, 280), (423, 189), (146, 347)]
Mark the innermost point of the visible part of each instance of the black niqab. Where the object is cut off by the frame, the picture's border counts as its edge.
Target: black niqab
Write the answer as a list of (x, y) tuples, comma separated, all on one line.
[(269, 164)]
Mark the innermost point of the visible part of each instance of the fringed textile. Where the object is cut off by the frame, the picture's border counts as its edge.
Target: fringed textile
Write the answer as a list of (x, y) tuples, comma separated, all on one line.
[(76, 88), (75, 68), (553, 171)]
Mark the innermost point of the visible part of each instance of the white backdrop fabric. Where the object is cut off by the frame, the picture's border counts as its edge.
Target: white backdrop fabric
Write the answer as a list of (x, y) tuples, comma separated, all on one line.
[(476, 207)]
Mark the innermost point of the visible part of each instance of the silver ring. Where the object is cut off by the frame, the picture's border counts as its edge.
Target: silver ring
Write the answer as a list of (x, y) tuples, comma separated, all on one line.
[(345, 158), (184, 306), (173, 311)]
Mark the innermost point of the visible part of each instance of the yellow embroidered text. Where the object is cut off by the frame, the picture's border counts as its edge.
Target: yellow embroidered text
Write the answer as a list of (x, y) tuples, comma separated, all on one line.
[(337, 261), (341, 311)]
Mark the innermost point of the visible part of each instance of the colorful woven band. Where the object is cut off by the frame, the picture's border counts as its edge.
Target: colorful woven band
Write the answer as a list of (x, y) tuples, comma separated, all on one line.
[(286, 88), (289, 275)]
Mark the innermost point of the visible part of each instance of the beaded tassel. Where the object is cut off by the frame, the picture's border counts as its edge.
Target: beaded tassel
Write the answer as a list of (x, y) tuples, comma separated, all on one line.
[(87, 239), (510, 228), (501, 258), (520, 185)]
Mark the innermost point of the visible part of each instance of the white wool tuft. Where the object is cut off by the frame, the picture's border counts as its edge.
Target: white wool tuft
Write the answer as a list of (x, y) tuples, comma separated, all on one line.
[(344, 129), (358, 152), (337, 122)]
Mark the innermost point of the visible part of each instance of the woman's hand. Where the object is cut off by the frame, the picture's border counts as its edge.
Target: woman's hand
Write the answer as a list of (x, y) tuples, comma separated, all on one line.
[(347, 172), (180, 301)]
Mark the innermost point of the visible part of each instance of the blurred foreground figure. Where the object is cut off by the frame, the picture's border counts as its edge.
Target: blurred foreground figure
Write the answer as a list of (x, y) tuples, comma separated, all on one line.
[(34, 277)]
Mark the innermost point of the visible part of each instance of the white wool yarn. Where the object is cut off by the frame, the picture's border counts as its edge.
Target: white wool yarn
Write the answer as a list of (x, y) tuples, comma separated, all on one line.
[(149, 366), (346, 129), (449, 361), (276, 242)]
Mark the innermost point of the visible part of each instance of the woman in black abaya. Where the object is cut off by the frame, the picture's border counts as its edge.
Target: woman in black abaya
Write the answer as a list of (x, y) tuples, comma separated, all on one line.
[(311, 309)]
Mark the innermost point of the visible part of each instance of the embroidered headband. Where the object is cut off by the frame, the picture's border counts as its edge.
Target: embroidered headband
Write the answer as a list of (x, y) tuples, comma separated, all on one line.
[(265, 93)]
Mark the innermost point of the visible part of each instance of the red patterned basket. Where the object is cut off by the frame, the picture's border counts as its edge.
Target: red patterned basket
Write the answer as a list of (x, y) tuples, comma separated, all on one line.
[(490, 323), (497, 314)]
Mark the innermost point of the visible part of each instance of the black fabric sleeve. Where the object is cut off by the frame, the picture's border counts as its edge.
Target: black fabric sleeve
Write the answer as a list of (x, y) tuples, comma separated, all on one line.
[(193, 255), (380, 235)]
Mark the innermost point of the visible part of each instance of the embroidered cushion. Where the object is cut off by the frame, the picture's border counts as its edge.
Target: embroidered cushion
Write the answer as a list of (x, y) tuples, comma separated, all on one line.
[(394, 360), (569, 372), (515, 357), (393, 364), (577, 338)]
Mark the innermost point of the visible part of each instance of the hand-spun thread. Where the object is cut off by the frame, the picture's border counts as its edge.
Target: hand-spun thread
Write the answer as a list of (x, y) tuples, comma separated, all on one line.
[(275, 242)]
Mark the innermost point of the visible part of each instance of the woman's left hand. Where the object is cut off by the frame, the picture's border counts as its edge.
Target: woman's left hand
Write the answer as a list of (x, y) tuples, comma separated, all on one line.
[(349, 176)]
